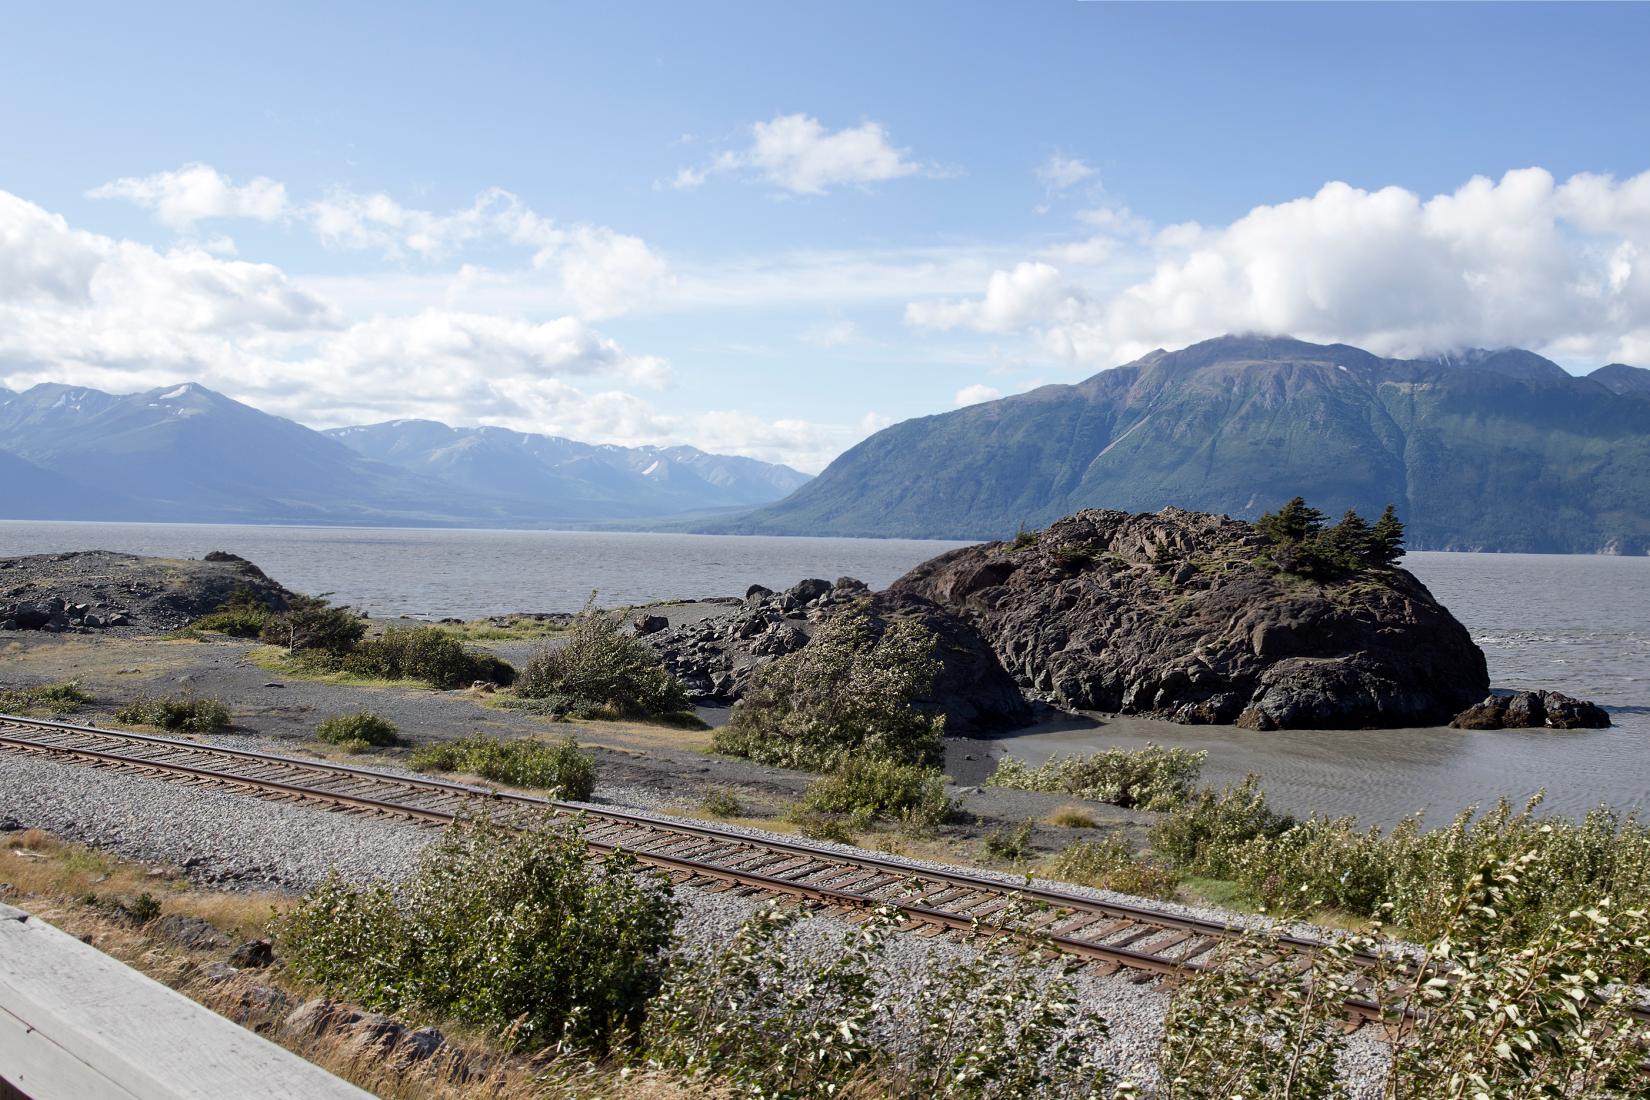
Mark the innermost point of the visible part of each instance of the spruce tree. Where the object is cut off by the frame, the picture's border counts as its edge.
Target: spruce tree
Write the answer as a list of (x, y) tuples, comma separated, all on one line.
[(1386, 539), (1350, 544), (1295, 522)]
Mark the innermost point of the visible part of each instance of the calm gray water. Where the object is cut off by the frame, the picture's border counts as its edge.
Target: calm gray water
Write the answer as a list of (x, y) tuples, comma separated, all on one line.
[(1575, 623), (436, 573)]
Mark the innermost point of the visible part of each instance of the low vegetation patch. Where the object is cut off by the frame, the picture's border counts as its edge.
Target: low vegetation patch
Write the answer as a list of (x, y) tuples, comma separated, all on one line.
[(1110, 864), (425, 653), (1150, 778), (242, 615), (518, 932), (1009, 844), (867, 790), (850, 692), (721, 802), (772, 1019), (603, 672), (312, 626), (63, 697), (560, 767), (508, 628), (362, 730), (1071, 817), (176, 713)]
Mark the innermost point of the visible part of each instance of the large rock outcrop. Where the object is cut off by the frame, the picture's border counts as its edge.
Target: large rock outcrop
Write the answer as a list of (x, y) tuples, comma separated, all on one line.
[(717, 657), (102, 590), (1178, 615)]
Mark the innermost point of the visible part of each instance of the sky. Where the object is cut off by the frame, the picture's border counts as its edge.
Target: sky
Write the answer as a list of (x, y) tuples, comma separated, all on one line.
[(771, 229)]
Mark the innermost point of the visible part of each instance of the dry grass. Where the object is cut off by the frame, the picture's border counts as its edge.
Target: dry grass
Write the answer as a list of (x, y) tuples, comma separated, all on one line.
[(75, 888), (1071, 817)]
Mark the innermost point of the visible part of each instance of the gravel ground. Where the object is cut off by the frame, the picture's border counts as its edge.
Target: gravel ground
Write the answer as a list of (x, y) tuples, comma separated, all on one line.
[(241, 842)]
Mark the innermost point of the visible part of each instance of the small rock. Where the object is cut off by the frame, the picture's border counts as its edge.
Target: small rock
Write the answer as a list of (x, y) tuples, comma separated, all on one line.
[(417, 1046), (190, 932), (651, 624), (317, 1017), (253, 955), (757, 592)]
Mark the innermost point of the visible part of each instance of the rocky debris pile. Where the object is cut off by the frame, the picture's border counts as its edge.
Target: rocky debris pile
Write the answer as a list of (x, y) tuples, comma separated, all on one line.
[(97, 590), (1179, 615), (370, 1034), (1532, 710), (717, 657)]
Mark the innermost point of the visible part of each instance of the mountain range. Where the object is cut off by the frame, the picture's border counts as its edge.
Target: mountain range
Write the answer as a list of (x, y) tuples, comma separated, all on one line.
[(188, 454), (1480, 450)]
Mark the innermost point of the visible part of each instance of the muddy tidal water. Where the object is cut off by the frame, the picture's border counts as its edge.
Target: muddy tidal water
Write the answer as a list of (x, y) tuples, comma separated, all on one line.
[(1574, 623)]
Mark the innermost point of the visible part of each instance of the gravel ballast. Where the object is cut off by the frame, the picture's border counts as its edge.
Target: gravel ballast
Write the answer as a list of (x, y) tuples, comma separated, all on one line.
[(241, 842)]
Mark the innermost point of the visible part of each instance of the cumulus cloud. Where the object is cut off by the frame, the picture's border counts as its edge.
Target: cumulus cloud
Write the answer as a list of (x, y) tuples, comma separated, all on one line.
[(1059, 171), (834, 335), (1524, 260), (195, 193), (89, 309), (798, 154), (973, 395), (595, 271)]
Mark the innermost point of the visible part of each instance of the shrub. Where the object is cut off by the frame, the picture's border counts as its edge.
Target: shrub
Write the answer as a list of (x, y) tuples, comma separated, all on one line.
[(242, 615), (825, 827), (311, 625), (516, 931), (1110, 865), (1204, 834), (1010, 845), (425, 653), (721, 802), (176, 713), (868, 789), (561, 767), (64, 697), (1303, 545), (1070, 817), (849, 692), (1150, 778), (601, 668), (772, 1021), (364, 729)]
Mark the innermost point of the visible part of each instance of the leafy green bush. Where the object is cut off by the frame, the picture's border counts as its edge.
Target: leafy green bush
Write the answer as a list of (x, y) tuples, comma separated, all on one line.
[(516, 931), (825, 827), (425, 653), (1204, 834), (722, 802), (1486, 1010), (867, 789), (242, 615), (1151, 778), (601, 669), (1010, 845), (176, 713), (312, 626), (850, 692), (364, 729), (561, 768), (63, 697), (770, 1020), (1109, 864)]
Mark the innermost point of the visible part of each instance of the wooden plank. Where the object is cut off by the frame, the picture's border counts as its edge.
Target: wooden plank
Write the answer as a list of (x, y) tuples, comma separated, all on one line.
[(76, 1024)]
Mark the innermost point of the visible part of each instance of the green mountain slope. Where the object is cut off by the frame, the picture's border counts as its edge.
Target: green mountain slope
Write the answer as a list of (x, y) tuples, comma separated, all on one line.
[(1480, 450)]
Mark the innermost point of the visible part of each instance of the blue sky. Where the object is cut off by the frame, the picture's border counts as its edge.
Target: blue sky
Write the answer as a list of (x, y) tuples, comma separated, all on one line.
[(772, 228)]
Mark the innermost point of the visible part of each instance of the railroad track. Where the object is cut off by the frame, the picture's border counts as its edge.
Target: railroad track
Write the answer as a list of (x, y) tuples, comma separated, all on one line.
[(1108, 936)]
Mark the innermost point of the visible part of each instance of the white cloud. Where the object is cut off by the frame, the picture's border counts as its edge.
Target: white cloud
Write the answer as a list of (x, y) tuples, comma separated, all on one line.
[(195, 193), (873, 422), (1525, 260), (1031, 292), (1059, 171), (796, 153), (88, 309), (973, 395)]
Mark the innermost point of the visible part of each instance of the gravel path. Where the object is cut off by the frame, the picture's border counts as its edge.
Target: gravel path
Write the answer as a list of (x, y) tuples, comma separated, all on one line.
[(240, 842)]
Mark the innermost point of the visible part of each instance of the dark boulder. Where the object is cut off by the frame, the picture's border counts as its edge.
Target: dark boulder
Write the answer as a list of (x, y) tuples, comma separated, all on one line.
[(807, 591), (1171, 615), (253, 955), (1532, 710), (758, 592), (651, 624)]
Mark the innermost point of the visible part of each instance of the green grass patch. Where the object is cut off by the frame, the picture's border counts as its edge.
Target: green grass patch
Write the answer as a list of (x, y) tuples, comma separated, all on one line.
[(560, 767), (355, 732), (176, 713), (63, 697)]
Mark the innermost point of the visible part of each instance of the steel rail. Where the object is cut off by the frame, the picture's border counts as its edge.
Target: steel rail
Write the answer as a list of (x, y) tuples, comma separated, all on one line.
[(987, 895)]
